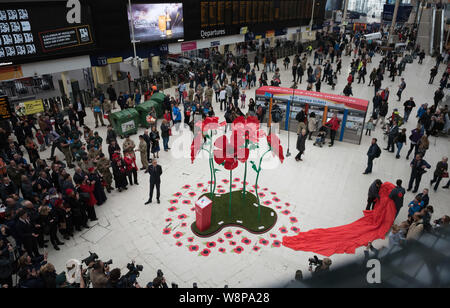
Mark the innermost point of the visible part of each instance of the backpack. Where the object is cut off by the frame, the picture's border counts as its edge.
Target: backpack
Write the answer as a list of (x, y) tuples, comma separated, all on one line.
[(377, 152)]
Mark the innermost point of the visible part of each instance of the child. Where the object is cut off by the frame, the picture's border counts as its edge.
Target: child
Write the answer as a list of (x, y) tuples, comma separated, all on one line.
[(40, 139), (244, 81), (320, 139), (369, 126), (243, 97)]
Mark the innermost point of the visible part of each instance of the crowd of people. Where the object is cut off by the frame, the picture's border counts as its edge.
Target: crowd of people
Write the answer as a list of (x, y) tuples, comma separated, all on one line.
[(44, 198)]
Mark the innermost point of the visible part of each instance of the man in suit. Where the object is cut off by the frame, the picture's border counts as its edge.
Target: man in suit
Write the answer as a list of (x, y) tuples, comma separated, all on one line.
[(393, 132), (27, 234), (155, 172)]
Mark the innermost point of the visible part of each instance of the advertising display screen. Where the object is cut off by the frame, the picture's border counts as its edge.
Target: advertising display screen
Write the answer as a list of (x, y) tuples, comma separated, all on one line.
[(32, 30), (156, 21)]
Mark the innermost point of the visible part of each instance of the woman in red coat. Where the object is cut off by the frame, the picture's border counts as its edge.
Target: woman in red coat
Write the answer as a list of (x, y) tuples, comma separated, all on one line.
[(333, 125), (88, 188), (130, 162)]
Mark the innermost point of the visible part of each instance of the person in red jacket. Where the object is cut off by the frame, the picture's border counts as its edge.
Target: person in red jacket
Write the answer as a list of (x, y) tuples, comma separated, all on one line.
[(88, 187), (350, 79), (130, 162), (333, 125)]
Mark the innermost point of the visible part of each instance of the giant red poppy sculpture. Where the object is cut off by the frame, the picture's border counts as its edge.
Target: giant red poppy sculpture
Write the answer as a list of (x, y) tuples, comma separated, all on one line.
[(237, 208), (208, 125)]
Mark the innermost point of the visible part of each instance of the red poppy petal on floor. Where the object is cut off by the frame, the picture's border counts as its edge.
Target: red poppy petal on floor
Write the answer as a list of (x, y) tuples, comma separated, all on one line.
[(282, 230), (199, 185), (171, 209), (211, 244), (255, 187), (219, 186), (193, 248), (251, 190), (220, 240), (204, 190), (166, 231), (278, 207), (182, 216), (273, 235), (232, 243), (286, 212), (293, 219), (192, 209), (233, 186), (265, 189), (222, 250), (273, 193), (276, 199), (190, 239), (186, 201), (238, 232), (246, 183), (221, 191), (246, 241), (177, 194), (187, 186), (264, 242), (192, 194), (238, 249), (267, 202), (295, 229), (168, 219), (225, 181), (261, 195), (178, 235), (209, 182), (179, 244), (205, 252), (173, 201), (256, 248), (236, 179), (184, 224), (287, 204), (276, 243), (228, 235)]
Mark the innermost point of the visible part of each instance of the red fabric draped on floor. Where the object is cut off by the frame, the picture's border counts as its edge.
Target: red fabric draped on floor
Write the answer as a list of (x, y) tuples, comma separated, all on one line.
[(345, 239)]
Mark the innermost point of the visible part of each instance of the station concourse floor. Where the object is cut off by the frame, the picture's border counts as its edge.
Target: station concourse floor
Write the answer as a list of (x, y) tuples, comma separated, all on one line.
[(327, 189)]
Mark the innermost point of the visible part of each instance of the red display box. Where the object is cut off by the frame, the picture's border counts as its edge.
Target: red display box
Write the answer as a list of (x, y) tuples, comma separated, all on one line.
[(203, 208)]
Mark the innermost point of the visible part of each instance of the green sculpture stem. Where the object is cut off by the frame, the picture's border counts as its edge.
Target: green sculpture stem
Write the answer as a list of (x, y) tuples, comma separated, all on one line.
[(245, 172), (256, 184), (211, 166), (229, 203)]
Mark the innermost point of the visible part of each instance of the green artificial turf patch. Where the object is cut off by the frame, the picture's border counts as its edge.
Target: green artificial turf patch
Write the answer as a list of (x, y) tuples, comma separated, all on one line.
[(244, 214)]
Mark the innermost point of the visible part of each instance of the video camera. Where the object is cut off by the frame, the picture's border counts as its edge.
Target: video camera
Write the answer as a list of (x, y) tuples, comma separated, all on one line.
[(315, 261), (129, 279), (94, 257)]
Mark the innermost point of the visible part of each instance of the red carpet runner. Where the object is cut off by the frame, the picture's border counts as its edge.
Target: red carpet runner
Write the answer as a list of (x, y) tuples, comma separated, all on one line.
[(345, 239)]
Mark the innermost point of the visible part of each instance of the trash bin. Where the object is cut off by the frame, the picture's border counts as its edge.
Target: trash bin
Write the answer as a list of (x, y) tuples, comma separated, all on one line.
[(125, 122), (144, 110), (158, 97)]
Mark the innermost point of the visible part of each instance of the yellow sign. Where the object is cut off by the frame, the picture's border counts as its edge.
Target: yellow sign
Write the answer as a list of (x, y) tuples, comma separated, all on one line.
[(115, 60), (33, 107)]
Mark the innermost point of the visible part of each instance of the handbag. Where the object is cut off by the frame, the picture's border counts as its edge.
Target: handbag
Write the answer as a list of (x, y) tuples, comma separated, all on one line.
[(445, 174)]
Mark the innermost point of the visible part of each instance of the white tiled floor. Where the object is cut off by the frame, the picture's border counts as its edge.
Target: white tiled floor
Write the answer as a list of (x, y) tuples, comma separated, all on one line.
[(327, 189)]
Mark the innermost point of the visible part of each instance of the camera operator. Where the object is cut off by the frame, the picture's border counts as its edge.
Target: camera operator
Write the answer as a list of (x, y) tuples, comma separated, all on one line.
[(159, 281), (322, 266), (99, 274), (115, 281)]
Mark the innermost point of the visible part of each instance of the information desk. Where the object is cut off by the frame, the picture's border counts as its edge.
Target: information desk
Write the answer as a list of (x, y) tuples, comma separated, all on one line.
[(351, 111)]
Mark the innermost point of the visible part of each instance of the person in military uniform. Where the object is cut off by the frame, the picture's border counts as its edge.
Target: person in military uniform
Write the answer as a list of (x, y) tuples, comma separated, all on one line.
[(97, 140), (79, 154), (93, 153), (191, 93), (97, 109), (86, 164), (107, 108), (209, 92), (103, 165), (128, 146), (143, 149), (65, 148)]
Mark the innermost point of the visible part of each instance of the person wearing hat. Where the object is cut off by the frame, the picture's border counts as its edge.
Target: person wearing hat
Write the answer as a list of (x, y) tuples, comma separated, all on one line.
[(99, 192), (131, 166), (113, 148), (65, 148), (88, 188), (119, 171), (85, 164), (103, 165), (143, 150)]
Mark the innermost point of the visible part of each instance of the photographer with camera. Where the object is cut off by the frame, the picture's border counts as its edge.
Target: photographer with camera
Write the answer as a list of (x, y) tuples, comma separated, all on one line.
[(159, 281), (126, 281), (99, 274), (321, 266)]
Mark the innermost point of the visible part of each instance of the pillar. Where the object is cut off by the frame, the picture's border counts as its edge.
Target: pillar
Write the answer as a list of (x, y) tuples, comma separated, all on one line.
[(394, 19), (114, 68), (66, 84), (344, 16)]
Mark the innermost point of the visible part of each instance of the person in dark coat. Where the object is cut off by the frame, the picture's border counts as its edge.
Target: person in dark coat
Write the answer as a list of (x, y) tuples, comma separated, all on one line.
[(397, 195), (119, 172), (27, 234), (441, 168), (301, 139), (113, 148), (393, 132), (374, 152), (155, 172), (418, 166), (99, 191), (373, 194)]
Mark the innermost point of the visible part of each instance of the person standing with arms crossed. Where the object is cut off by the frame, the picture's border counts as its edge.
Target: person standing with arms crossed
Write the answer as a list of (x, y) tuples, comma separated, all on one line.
[(155, 172)]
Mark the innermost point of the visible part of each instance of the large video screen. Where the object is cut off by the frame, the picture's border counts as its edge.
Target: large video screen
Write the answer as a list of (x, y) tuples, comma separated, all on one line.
[(30, 31), (156, 21)]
